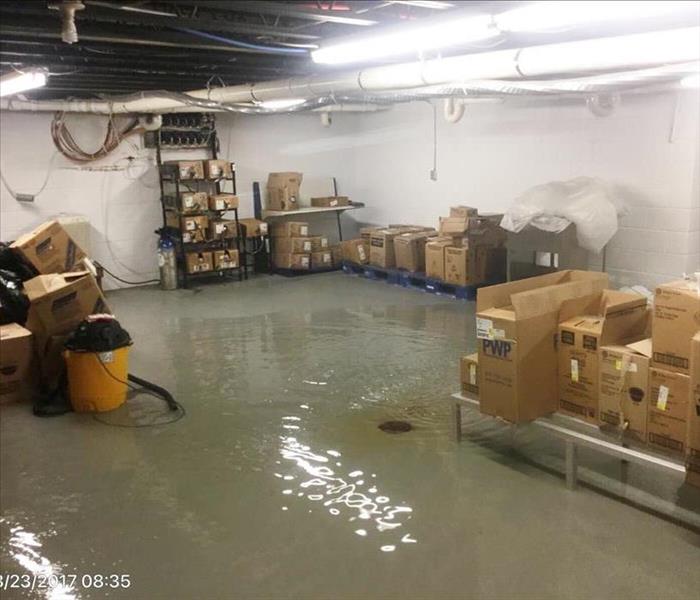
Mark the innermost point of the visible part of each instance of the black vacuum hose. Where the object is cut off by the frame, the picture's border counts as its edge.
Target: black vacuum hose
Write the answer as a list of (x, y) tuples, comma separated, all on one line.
[(156, 389)]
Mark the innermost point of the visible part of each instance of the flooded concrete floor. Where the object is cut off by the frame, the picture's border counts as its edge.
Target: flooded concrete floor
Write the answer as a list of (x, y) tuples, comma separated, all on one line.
[(278, 482)]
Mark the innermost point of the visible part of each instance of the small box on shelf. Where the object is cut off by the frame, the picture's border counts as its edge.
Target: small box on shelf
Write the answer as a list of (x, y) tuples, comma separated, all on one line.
[(225, 259), (198, 262)]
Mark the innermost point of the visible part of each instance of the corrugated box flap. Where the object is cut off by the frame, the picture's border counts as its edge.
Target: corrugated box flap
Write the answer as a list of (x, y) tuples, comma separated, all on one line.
[(642, 347)]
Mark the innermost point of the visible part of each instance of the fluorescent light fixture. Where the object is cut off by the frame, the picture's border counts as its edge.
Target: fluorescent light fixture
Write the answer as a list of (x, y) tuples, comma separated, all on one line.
[(547, 16), (691, 82), (14, 83), (281, 104), (407, 40)]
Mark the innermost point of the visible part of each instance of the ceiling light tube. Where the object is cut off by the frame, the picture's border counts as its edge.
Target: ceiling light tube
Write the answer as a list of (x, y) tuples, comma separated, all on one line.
[(407, 40), (556, 15), (21, 81)]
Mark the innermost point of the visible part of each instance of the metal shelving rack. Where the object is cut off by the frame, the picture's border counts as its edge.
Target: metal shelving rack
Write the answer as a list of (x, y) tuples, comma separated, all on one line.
[(188, 131)]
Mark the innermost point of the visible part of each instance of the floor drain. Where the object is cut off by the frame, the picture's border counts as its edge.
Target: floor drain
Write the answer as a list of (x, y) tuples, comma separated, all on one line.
[(395, 426)]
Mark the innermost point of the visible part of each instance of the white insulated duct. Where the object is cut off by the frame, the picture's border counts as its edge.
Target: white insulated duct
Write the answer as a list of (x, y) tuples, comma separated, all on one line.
[(569, 58)]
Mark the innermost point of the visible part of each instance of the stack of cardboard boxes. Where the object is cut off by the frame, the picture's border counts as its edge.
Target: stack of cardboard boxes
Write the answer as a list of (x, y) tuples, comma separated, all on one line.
[(61, 296), (293, 247), (467, 250), (564, 342)]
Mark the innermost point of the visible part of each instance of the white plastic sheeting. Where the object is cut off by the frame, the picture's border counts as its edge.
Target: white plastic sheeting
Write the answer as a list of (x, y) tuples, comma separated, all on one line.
[(591, 204)]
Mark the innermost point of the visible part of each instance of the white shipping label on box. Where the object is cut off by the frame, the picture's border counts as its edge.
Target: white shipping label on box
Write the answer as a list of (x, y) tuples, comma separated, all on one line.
[(307, 246), (662, 400), (574, 370), (220, 205), (484, 327), (327, 257), (324, 242), (190, 225), (334, 203), (186, 237), (361, 253), (305, 261), (263, 228), (472, 374), (304, 230), (189, 200)]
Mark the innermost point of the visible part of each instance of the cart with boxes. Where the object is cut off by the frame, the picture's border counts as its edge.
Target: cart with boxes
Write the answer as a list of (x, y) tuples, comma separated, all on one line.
[(564, 344)]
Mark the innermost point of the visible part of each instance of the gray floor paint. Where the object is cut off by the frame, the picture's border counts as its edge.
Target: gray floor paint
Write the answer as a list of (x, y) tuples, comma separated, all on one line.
[(278, 483)]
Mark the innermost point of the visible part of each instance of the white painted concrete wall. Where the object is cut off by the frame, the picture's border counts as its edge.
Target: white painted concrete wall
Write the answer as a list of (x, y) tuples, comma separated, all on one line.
[(383, 159)]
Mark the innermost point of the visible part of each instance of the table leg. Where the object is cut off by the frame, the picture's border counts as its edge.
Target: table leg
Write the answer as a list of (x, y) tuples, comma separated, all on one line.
[(571, 464), (458, 422)]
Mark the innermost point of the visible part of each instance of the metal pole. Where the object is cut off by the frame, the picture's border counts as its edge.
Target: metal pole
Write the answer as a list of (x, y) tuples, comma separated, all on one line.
[(571, 464), (458, 421)]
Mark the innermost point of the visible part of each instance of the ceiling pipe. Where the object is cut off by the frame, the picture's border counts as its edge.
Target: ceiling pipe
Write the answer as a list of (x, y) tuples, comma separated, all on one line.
[(571, 58)]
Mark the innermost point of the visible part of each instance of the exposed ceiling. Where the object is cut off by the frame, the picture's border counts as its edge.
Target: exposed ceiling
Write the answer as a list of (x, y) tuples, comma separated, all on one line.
[(142, 45)]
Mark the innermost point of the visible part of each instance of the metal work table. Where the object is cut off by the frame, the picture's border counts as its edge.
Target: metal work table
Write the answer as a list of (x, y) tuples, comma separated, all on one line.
[(313, 210), (577, 433)]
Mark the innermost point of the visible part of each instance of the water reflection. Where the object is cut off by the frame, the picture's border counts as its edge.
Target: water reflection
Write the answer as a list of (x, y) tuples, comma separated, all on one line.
[(25, 549), (346, 495)]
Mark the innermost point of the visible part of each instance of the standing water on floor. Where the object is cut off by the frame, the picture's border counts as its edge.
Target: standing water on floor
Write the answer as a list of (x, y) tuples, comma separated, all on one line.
[(279, 481)]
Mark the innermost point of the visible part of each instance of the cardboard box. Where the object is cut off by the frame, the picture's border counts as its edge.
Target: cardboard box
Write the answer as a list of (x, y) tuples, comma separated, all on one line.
[(435, 256), (225, 259), (330, 201), (610, 317), (292, 245), (59, 302), (290, 229), (194, 228), (459, 265), (283, 190), (669, 411), (223, 202), (366, 232), (669, 398), (516, 326), (623, 389), (15, 358), (381, 248), (191, 202), (469, 374), (355, 251), (462, 212), (453, 225), (49, 248), (319, 243), (199, 262), (297, 262), (337, 255), (693, 438), (217, 169), (409, 250), (253, 228), (184, 169), (483, 230), (322, 259), (222, 229), (676, 319)]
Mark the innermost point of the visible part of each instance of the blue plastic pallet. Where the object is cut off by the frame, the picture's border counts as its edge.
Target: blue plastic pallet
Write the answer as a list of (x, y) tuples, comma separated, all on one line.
[(300, 272), (417, 281)]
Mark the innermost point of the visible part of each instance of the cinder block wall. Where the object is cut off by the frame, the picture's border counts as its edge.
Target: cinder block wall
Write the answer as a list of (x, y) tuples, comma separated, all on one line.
[(649, 146)]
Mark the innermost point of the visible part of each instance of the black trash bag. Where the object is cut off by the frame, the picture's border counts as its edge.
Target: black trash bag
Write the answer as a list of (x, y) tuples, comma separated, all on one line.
[(13, 262), (98, 334), (14, 304)]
